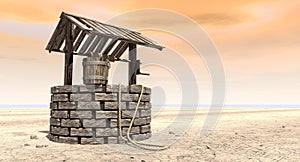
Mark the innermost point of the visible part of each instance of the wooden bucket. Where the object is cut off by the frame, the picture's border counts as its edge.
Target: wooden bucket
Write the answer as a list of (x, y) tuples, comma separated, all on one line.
[(95, 71)]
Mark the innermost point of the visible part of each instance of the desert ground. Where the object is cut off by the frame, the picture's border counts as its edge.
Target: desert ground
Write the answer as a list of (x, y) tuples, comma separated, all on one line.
[(258, 134)]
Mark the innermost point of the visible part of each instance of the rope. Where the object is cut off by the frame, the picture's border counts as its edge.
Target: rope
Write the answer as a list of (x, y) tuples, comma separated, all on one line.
[(154, 147), (119, 113)]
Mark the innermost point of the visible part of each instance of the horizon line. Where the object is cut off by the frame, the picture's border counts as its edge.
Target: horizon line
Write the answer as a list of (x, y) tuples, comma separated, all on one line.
[(171, 105)]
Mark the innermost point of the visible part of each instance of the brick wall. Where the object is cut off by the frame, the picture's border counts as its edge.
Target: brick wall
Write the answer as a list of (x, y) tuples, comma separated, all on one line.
[(87, 114)]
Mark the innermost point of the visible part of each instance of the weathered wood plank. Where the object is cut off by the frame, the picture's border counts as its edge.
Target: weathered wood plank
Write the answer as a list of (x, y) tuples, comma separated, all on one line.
[(110, 46), (118, 32), (119, 46), (95, 43), (131, 65), (77, 22), (87, 43), (86, 21), (68, 54), (68, 69), (122, 50), (123, 33), (102, 43), (56, 32), (79, 40), (138, 37), (108, 28), (75, 32), (94, 26), (59, 39), (129, 35), (99, 27)]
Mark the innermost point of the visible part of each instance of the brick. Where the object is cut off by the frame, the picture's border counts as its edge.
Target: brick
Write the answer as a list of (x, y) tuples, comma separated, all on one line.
[(52, 137), (81, 132), (105, 97), (140, 121), (113, 105), (100, 132), (70, 123), (70, 140), (54, 122), (140, 137), (60, 97), (113, 122), (143, 105), (92, 140), (130, 97), (59, 131), (81, 97), (147, 105), (146, 98), (134, 130), (147, 90), (115, 88), (94, 123), (145, 113), (64, 89), (148, 120), (67, 105), (138, 88), (146, 128), (129, 114), (112, 140), (81, 114), (121, 140), (106, 114), (60, 114), (91, 88), (53, 105), (124, 122), (89, 105)]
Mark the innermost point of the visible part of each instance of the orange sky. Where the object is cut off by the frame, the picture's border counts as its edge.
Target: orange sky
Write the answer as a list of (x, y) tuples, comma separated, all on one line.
[(258, 42)]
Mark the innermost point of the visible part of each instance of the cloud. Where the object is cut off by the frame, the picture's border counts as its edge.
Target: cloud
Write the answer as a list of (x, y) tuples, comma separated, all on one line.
[(30, 30), (220, 19), (48, 11), (24, 49)]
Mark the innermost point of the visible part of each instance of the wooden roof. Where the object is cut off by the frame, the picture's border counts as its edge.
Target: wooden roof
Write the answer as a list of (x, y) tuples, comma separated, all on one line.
[(90, 36)]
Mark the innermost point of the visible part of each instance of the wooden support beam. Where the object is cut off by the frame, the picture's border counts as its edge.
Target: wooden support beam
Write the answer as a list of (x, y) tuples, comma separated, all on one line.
[(68, 54), (132, 64)]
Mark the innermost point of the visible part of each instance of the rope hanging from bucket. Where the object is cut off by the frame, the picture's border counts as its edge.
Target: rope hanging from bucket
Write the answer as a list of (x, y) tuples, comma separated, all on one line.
[(153, 147)]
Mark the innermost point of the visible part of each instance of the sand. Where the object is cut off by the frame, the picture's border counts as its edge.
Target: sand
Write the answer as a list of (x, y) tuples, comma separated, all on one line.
[(240, 135)]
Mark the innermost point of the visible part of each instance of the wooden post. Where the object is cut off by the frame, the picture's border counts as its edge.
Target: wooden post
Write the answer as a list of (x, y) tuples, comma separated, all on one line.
[(131, 65), (68, 54)]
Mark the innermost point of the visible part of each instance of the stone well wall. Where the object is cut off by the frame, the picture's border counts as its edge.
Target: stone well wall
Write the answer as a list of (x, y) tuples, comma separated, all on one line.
[(88, 114)]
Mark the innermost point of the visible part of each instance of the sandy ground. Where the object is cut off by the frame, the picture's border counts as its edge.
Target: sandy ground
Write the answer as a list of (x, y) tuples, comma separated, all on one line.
[(240, 135)]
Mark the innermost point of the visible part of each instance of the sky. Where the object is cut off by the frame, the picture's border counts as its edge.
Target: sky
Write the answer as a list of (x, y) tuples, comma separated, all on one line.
[(258, 43)]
